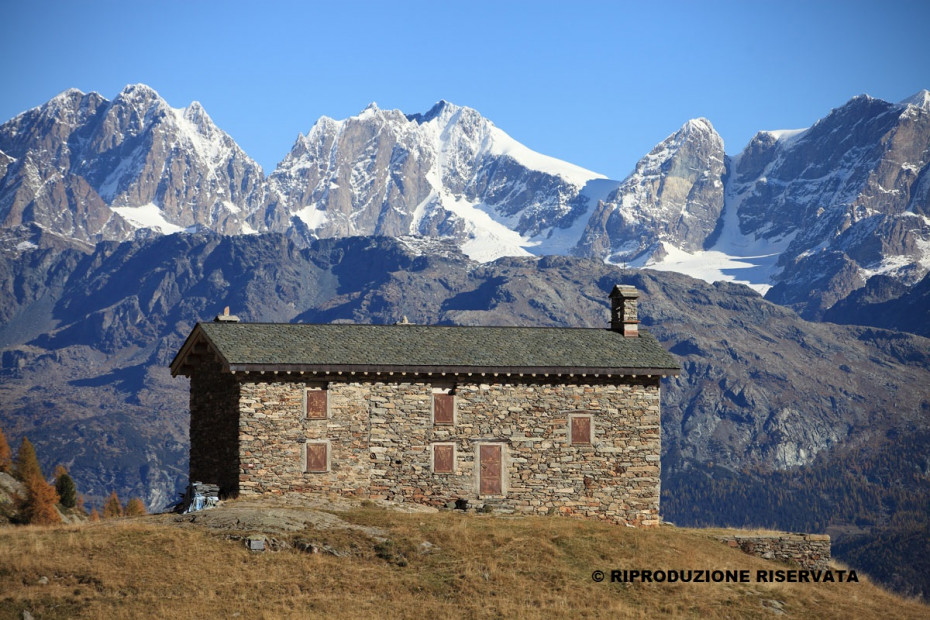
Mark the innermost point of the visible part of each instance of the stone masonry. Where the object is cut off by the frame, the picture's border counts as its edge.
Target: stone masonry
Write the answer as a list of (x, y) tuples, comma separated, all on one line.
[(380, 434), (810, 551), (214, 434)]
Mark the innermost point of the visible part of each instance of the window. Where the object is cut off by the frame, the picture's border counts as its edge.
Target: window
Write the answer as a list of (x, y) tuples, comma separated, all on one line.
[(317, 457), (443, 458), (443, 407), (579, 430), (316, 403)]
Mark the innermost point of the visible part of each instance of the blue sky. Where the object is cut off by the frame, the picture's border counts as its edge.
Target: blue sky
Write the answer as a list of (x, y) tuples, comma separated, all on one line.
[(594, 83)]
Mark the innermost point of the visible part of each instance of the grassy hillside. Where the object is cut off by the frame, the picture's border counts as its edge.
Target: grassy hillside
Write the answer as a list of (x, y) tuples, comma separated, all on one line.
[(371, 562)]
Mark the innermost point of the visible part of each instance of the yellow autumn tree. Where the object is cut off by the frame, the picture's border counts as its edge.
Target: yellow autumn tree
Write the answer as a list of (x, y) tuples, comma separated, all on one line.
[(6, 455), (38, 506), (27, 465), (41, 498), (135, 508), (112, 508)]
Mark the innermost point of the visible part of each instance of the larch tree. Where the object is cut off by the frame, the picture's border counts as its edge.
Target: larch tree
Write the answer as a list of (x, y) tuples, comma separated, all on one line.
[(135, 508), (27, 465), (112, 508), (6, 455), (39, 507)]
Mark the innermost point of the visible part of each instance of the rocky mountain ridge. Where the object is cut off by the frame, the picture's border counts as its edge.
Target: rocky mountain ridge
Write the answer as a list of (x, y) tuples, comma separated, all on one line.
[(806, 216), (850, 196), (674, 196), (446, 173), (94, 170)]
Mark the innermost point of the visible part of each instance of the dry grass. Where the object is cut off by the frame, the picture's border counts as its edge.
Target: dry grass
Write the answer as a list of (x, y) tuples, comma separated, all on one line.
[(480, 567)]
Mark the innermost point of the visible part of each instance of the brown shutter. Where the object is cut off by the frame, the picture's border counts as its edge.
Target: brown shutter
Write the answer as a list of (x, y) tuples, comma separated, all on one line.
[(490, 470), (581, 430), (316, 404), (443, 459), (316, 457), (443, 408)]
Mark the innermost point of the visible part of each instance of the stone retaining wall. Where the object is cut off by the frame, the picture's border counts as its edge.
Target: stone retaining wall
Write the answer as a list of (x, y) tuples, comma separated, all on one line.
[(810, 551)]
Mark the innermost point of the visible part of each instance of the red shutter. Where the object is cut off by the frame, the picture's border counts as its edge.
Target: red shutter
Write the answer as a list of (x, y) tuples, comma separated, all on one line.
[(443, 408), (316, 457), (316, 404), (490, 470), (581, 430), (443, 459)]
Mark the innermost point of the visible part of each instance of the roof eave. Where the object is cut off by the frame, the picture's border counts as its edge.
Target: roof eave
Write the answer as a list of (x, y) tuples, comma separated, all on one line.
[(453, 370)]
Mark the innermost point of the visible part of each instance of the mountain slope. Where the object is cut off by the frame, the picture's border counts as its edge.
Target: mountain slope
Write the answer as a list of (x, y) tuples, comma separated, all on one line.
[(447, 173), (674, 196), (440, 564), (104, 326), (806, 216), (849, 195), (95, 170)]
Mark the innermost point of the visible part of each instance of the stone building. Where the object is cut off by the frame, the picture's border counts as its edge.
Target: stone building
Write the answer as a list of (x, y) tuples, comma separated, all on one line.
[(532, 420)]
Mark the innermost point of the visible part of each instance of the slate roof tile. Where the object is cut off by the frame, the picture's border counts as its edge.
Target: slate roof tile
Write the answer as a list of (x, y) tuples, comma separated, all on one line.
[(284, 346)]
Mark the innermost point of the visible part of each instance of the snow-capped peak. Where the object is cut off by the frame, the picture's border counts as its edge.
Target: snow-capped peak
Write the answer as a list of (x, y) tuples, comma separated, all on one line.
[(920, 99), (370, 110), (138, 90), (66, 95), (138, 95), (494, 141), (196, 114), (695, 129), (434, 112), (699, 124)]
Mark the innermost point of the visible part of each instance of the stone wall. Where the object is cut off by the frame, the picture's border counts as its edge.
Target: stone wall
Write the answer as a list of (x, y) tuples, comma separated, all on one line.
[(380, 435), (810, 551), (214, 405)]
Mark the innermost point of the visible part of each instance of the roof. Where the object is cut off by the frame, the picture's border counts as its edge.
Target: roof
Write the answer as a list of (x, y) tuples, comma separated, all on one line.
[(429, 349)]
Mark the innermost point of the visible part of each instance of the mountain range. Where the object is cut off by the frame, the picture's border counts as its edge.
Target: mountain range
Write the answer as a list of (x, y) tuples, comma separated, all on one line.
[(806, 217)]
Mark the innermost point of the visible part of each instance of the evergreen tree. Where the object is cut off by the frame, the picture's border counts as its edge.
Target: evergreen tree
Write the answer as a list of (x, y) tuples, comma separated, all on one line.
[(6, 455), (64, 484), (27, 465), (135, 508), (39, 507), (112, 508)]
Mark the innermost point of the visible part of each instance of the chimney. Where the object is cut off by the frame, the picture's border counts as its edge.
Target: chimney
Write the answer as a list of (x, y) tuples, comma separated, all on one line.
[(623, 312), (226, 317)]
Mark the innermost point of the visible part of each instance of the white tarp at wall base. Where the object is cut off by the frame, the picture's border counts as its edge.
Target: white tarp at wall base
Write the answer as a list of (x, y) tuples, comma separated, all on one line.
[(200, 496)]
